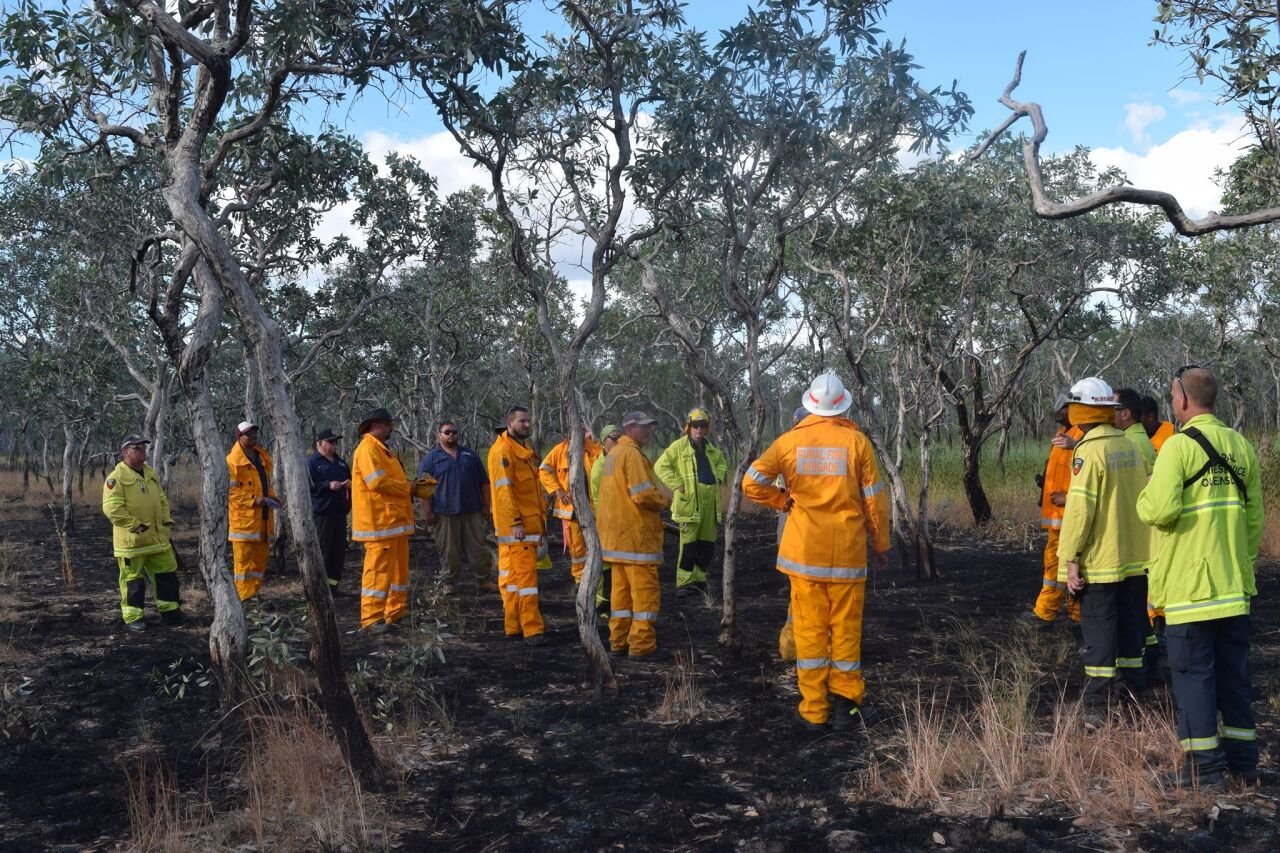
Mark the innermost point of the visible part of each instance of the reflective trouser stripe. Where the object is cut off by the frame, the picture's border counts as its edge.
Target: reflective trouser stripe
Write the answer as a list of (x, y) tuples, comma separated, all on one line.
[(619, 614), (1054, 584), (518, 568), (1195, 744), (1129, 663), (1100, 671), (373, 593), (384, 581), (812, 663), (826, 626), (644, 614), (531, 590), (250, 566), (634, 597), (1239, 734), (248, 574), (1152, 640), (847, 665)]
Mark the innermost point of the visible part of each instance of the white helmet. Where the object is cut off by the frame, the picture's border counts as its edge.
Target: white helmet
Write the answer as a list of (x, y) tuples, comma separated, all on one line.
[(1092, 391), (827, 396)]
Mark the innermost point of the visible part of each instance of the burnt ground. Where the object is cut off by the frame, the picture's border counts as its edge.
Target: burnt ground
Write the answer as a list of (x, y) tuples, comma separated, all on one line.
[(516, 755)]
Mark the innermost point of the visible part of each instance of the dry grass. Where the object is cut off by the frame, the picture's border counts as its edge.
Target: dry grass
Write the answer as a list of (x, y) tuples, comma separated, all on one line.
[(300, 795), (682, 698)]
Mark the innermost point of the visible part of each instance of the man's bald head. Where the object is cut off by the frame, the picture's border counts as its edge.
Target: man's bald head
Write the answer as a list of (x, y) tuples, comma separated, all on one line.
[(1199, 386)]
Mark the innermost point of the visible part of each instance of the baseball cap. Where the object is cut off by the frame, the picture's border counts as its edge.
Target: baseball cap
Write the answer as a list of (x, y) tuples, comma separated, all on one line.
[(611, 431), (131, 440), (245, 426), (637, 418)]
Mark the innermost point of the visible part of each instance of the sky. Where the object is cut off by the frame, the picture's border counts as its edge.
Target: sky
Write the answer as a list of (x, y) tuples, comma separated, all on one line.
[(1089, 65)]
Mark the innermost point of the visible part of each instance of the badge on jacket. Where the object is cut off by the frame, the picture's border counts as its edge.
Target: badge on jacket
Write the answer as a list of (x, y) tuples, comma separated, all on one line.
[(111, 482), (1076, 465)]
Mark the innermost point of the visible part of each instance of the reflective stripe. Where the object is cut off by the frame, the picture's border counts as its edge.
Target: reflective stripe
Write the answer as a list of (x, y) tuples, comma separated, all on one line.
[(562, 513), (373, 593), (1239, 734), (1100, 671), (245, 537), (758, 477), (242, 575), (1198, 743), (1129, 663), (363, 535), (545, 467), (527, 591), (399, 587), (847, 665), (812, 663), (1050, 522), (644, 615), (1081, 490), (640, 487), (844, 572), (233, 483), (500, 482), (1055, 584), (632, 557), (576, 560), (1153, 640), (873, 490), (512, 588), (1216, 602), (373, 475), (529, 539), (1232, 502), (619, 614)]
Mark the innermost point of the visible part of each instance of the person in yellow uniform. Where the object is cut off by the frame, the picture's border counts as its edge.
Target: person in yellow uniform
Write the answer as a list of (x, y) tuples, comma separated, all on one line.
[(554, 473), (1104, 548), (519, 518), (1054, 483), (632, 499), (141, 524), (693, 468), (249, 506), (837, 507), (381, 518)]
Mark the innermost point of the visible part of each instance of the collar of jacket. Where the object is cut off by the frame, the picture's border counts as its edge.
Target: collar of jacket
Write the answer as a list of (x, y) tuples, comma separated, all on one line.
[(239, 457), (368, 436), (127, 476), (1201, 420), (835, 420), (518, 448), (1101, 431)]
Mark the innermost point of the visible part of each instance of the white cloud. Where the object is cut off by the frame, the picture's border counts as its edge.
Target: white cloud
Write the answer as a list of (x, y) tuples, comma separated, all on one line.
[(1138, 117), (437, 152), (1185, 97), (1184, 164)]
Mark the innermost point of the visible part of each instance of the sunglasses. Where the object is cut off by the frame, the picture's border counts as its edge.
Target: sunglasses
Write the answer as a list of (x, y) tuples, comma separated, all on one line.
[(698, 425), (1177, 377), (448, 432)]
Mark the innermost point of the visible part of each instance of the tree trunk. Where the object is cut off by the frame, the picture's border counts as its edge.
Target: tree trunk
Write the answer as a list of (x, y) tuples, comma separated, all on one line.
[(71, 444), (925, 564), (973, 491)]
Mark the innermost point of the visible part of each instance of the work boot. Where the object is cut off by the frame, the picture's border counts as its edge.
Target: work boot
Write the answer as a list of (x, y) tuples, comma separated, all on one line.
[(656, 656), (1030, 618), (618, 653), (172, 618), (135, 627), (809, 725), (536, 640), (1187, 776), (845, 713), (1251, 776)]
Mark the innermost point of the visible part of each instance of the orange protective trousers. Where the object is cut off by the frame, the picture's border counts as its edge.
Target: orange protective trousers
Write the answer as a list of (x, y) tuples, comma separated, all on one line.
[(1053, 592), (384, 583), (250, 566), (634, 601), (577, 547), (518, 585), (827, 625)]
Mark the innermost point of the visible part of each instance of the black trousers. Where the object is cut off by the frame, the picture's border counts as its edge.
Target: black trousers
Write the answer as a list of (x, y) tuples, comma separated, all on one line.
[(331, 529), (1211, 676), (1113, 620)]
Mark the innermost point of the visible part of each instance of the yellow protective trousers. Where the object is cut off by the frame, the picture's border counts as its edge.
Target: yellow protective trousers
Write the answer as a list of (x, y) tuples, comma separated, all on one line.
[(250, 565), (577, 548), (1053, 592), (827, 624), (634, 602), (384, 583), (160, 571), (787, 641), (518, 584)]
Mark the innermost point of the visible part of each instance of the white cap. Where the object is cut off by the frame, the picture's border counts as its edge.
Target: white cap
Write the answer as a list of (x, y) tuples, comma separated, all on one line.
[(245, 426)]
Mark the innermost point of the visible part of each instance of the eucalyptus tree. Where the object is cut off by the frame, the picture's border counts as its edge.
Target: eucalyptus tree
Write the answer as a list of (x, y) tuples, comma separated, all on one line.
[(792, 105)]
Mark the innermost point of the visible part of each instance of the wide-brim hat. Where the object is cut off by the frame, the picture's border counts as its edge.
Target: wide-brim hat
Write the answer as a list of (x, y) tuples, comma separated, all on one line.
[(378, 415)]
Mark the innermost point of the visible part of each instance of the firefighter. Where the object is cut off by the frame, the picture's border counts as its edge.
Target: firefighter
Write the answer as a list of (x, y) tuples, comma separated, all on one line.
[(1205, 500), (837, 507), (519, 518), (249, 506), (381, 518), (1104, 548), (141, 525), (694, 470), (1157, 430), (1054, 483), (554, 474), (609, 437), (632, 499)]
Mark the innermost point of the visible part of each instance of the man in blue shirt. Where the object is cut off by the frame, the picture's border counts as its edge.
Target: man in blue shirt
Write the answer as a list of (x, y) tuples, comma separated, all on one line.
[(330, 502), (458, 509)]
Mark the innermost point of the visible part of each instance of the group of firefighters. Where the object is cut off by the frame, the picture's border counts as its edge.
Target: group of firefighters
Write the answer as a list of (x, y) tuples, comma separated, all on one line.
[(1141, 519)]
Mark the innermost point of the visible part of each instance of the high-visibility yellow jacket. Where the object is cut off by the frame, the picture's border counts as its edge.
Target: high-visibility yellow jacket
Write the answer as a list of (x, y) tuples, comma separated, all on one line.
[(381, 506), (839, 499), (1057, 478), (554, 471), (1137, 434), (593, 481), (246, 522), (1162, 434), (631, 505), (129, 499), (517, 496), (1208, 537), (1100, 526), (678, 467)]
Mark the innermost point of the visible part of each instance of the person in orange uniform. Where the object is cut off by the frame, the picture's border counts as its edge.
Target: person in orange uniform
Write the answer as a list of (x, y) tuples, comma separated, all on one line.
[(381, 518), (1054, 484), (632, 499), (249, 506), (519, 516), (554, 473), (1157, 430), (837, 506)]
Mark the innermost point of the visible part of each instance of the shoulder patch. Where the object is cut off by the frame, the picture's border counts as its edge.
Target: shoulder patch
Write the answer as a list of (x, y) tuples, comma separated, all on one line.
[(1076, 464), (111, 482)]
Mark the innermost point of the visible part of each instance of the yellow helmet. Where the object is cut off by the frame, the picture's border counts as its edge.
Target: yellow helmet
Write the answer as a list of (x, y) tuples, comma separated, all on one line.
[(698, 415)]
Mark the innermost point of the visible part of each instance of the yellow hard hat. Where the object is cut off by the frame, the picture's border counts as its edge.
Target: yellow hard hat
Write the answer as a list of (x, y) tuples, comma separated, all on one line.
[(698, 415)]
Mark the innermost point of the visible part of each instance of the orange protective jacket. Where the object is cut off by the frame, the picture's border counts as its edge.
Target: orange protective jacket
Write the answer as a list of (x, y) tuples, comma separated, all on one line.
[(839, 504), (631, 503), (1057, 478), (381, 506), (246, 522), (554, 471), (517, 496), (1162, 435)]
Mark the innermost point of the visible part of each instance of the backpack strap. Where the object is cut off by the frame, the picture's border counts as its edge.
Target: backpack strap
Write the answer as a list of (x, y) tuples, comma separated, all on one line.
[(1215, 459)]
